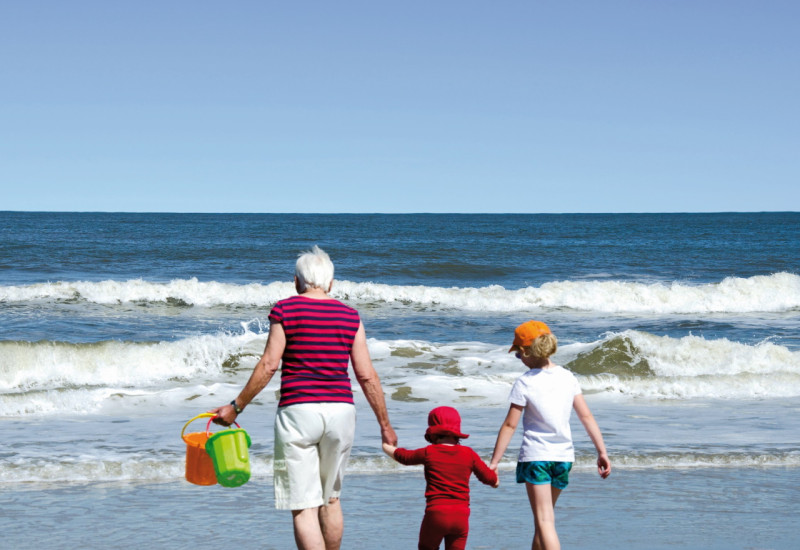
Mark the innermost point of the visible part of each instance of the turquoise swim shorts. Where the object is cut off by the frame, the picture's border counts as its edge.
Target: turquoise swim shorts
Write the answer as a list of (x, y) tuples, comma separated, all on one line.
[(543, 472)]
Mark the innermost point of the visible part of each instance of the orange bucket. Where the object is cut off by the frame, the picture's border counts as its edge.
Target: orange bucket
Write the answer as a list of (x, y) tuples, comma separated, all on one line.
[(199, 465)]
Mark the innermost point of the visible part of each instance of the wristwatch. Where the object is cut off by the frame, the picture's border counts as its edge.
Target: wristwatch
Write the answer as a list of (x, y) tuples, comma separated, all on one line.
[(236, 407)]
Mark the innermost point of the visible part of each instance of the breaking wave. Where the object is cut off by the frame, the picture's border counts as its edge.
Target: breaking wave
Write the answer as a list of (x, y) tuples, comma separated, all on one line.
[(54, 377), (779, 292)]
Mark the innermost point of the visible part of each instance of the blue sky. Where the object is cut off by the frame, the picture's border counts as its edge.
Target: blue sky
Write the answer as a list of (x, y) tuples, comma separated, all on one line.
[(436, 106)]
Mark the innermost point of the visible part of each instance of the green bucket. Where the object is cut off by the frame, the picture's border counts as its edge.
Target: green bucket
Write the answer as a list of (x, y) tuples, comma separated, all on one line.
[(228, 452)]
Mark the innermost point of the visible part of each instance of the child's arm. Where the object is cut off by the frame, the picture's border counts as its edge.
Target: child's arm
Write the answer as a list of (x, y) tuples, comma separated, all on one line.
[(389, 449), (593, 430), (507, 430), (406, 457), (485, 475)]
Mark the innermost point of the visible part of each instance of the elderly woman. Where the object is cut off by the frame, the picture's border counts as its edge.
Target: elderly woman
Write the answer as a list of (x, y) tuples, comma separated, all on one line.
[(312, 338)]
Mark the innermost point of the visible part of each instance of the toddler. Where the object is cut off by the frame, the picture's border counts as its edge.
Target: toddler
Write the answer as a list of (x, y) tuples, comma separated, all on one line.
[(448, 466)]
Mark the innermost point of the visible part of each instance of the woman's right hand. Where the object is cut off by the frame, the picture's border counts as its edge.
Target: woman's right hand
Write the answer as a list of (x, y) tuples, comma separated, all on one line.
[(225, 415)]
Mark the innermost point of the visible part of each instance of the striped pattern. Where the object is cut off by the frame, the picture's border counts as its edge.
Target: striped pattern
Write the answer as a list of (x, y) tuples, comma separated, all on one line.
[(319, 337)]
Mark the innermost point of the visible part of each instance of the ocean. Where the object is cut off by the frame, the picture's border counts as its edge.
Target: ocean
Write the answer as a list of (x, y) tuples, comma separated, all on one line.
[(683, 330)]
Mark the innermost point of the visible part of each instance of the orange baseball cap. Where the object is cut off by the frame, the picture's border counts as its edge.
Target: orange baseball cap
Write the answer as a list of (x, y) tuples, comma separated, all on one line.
[(527, 332)]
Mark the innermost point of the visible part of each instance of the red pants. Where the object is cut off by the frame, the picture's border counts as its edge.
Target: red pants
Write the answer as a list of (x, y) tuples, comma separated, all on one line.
[(448, 522)]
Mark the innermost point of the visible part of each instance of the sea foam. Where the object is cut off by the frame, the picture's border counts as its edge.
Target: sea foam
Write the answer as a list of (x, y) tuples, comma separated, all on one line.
[(168, 464), (45, 365), (779, 292), (50, 377)]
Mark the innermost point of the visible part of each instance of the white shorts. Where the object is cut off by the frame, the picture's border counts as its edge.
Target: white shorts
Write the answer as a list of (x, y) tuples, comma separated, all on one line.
[(312, 447)]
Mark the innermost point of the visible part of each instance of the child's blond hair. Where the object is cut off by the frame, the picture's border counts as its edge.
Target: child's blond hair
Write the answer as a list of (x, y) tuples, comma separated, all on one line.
[(541, 348)]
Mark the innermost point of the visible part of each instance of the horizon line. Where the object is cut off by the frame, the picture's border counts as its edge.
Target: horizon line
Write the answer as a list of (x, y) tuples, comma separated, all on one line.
[(419, 213)]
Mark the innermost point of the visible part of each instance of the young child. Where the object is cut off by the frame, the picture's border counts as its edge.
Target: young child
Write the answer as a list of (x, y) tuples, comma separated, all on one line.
[(448, 466), (546, 394)]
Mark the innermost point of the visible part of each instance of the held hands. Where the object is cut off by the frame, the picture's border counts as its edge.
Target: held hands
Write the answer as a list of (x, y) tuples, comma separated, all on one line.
[(389, 449), (388, 436), (493, 466)]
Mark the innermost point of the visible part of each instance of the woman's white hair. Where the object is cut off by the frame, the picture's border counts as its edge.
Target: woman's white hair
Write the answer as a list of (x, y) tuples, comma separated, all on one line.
[(314, 269)]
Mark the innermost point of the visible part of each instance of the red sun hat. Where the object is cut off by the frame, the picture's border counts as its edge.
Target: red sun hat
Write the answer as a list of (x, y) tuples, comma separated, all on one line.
[(444, 421)]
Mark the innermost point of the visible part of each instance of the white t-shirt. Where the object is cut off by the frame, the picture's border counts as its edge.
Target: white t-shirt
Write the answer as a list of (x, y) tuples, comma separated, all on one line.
[(546, 395)]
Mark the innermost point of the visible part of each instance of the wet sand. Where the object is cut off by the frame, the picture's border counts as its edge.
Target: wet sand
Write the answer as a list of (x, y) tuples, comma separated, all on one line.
[(727, 508)]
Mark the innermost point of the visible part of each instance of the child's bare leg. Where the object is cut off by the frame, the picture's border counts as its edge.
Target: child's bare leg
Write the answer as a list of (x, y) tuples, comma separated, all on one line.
[(543, 500)]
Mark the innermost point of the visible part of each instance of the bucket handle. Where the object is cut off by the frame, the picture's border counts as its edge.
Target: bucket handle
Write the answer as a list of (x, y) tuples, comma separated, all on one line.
[(213, 416), (201, 415), (210, 416)]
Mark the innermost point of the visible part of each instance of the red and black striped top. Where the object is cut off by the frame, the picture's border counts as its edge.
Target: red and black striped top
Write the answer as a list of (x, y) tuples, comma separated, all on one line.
[(319, 337)]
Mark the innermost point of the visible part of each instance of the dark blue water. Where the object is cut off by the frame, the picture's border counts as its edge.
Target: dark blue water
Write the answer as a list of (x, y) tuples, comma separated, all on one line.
[(510, 250)]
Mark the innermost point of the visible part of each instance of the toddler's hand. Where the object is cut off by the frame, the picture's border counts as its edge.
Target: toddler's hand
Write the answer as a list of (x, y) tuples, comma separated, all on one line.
[(389, 449)]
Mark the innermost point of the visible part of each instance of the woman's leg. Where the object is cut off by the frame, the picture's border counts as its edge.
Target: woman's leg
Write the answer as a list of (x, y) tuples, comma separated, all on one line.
[(319, 528), (543, 500), (307, 531), (331, 521)]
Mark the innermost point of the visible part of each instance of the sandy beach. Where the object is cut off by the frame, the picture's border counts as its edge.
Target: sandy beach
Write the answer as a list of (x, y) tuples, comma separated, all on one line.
[(748, 509)]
